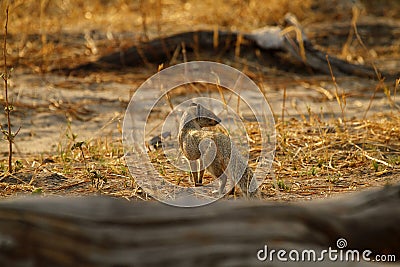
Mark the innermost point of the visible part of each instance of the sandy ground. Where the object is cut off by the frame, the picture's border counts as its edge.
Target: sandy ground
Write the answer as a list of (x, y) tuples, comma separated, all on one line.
[(49, 106)]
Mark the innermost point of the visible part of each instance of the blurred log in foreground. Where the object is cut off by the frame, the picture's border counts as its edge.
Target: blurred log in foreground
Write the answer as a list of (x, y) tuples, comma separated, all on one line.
[(100, 231)]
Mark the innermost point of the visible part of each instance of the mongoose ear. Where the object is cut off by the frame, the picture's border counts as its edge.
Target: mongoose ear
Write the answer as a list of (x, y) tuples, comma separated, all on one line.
[(198, 110)]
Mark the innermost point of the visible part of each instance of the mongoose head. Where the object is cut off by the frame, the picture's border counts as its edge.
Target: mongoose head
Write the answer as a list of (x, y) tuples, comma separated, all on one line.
[(197, 116), (203, 116)]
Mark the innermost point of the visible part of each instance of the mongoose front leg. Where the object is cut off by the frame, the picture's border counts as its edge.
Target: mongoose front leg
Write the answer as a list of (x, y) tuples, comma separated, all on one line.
[(198, 176), (196, 172)]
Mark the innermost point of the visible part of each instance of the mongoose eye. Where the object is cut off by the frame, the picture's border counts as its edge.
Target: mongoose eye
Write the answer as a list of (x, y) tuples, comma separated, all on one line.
[(214, 121)]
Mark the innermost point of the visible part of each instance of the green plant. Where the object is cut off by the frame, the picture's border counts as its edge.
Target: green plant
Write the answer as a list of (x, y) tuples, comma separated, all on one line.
[(281, 185), (313, 171), (37, 191), (375, 165), (333, 179), (97, 178), (18, 165)]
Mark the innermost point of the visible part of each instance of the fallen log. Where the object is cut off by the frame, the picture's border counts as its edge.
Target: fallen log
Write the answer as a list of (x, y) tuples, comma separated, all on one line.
[(102, 231), (269, 38)]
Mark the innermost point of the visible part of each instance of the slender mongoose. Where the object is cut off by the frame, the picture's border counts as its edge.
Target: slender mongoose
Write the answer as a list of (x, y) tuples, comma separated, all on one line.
[(224, 159)]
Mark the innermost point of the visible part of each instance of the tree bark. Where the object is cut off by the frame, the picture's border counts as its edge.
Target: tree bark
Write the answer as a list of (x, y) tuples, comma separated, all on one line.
[(102, 231)]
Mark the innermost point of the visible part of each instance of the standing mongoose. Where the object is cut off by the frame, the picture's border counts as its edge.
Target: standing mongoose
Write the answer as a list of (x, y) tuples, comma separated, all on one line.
[(223, 157), (194, 119)]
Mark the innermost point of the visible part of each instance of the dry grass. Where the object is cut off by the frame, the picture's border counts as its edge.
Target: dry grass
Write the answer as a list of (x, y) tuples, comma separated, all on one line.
[(313, 160), (155, 16), (323, 157), (315, 156), (318, 158)]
